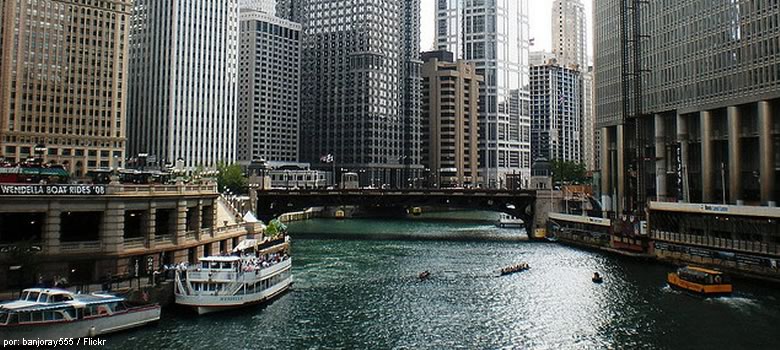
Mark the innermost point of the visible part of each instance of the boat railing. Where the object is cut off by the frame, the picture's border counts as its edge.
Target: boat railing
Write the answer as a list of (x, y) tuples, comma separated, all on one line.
[(211, 275), (274, 268), (216, 275)]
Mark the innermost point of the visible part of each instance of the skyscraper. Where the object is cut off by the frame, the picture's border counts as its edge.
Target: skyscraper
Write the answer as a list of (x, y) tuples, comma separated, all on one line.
[(360, 87), (556, 112), (570, 45), (63, 82), (589, 135), (494, 36), (450, 120), (290, 10), (569, 33), (699, 126), (269, 84), (183, 81)]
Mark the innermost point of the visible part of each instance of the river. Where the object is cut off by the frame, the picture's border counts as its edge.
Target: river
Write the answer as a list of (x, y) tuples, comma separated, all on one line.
[(356, 287)]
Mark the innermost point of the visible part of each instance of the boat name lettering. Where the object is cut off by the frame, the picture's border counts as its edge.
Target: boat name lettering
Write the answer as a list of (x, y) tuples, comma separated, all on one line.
[(229, 298), (53, 190)]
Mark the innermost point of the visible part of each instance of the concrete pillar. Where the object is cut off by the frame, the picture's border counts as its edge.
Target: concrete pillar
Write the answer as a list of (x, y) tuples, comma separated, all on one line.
[(198, 218), (620, 201), (682, 139), (660, 159), (606, 175), (766, 153), (180, 231), (51, 230), (735, 156), (707, 157), (151, 225), (113, 229)]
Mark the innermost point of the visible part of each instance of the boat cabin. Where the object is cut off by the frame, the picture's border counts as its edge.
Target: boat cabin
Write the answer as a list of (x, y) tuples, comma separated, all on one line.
[(41, 306), (219, 263), (702, 276)]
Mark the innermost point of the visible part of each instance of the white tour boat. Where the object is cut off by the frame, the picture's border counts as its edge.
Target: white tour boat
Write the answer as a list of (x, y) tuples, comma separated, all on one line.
[(259, 272), (52, 314)]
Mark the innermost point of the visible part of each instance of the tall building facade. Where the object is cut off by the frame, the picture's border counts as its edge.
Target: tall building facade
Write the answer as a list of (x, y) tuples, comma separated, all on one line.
[(589, 135), (182, 100), (701, 127), (269, 84), (63, 82), (556, 112), (570, 34), (290, 10), (450, 131), (360, 88), (494, 36)]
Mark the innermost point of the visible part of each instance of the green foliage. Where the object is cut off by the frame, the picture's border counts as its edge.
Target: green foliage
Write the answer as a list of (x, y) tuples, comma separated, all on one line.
[(569, 172), (275, 228), (230, 177)]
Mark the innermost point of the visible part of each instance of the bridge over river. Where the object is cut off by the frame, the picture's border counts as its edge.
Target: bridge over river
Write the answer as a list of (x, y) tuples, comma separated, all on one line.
[(521, 204)]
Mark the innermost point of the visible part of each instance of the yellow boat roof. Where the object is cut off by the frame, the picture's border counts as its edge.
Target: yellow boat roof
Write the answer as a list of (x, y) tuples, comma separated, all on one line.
[(707, 271)]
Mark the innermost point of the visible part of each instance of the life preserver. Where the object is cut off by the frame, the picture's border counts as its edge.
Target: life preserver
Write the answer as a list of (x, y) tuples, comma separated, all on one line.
[(717, 279)]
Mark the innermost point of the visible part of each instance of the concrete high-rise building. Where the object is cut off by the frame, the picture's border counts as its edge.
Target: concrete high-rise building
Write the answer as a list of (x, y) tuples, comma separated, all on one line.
[(63, 82), (556, 112), (269, 84), (538, 58), (450, 132), (701, 125), (589, 143), (494, 36), (360, 88), (570, 33), (183, 81)]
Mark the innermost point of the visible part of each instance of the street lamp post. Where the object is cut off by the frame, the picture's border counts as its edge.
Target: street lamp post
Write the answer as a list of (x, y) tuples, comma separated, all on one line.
[(40, 150)]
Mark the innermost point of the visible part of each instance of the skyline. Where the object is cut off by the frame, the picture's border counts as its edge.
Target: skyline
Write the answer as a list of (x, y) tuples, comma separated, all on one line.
[(540, 22)]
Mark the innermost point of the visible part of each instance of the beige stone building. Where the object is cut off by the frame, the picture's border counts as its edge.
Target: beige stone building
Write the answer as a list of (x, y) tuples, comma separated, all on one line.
[(450, 126), (63, 69), (85, 233)]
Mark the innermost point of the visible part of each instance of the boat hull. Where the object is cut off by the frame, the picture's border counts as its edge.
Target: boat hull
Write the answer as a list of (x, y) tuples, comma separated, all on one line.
[(133, 318), (209, 304)]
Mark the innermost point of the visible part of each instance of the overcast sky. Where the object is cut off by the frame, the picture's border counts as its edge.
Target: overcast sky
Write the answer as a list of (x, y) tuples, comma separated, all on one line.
[(540, 18)]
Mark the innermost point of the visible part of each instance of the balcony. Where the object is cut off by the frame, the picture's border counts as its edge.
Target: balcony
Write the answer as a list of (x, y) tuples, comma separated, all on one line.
[(80, 247), (135, 243), (163, 240)]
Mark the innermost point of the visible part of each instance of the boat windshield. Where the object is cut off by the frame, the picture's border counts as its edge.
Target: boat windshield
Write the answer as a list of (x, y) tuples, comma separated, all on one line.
[(32, 296)]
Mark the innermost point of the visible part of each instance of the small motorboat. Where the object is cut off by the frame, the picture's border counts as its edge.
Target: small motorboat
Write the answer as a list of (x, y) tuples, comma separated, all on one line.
[(516, 268), (597, 278), (424, 275)]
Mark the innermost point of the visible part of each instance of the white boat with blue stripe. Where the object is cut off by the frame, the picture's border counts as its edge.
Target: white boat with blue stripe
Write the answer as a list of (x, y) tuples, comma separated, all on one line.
[(51, 314)]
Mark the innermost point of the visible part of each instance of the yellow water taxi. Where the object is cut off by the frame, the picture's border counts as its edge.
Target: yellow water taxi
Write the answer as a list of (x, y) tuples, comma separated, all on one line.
[(700, 281)]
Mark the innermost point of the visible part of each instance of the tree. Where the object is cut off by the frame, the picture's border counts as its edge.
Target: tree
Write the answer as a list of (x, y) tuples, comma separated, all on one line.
[(569, 172), (230, 177), (275, 228)]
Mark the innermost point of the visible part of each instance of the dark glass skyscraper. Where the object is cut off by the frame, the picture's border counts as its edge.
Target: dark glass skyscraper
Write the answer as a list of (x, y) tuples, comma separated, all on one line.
[(361, 87)]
